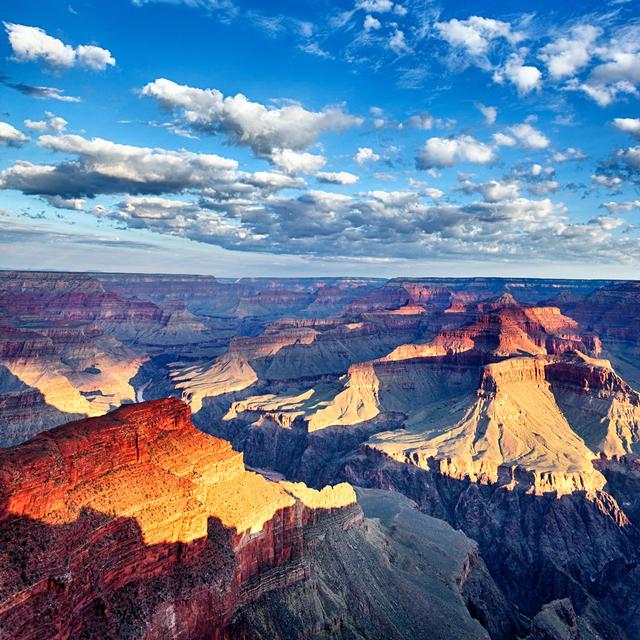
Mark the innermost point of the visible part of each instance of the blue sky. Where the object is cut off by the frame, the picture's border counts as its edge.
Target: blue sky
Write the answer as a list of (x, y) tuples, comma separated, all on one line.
[(364, 137)]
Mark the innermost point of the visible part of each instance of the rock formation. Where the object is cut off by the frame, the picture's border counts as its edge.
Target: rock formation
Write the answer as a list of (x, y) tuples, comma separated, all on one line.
[(505, 408), (136, 525)]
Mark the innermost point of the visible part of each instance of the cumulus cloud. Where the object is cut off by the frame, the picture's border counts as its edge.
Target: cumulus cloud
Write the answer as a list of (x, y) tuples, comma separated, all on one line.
[(424, 121), (271, 181), (102, 166), (608, 223), (628, 125), (475, 34), (567, 55), (10, 136), (568, 155), (379, 224), (504, 140), (529, 137), (59, 202), (543, 187), (617, 207), (493, 190), (526, 78), (32, 44), (445, 152), (490, 113), (364, 155), (371, 23), (629, 158), (53, 123), (398, 43), (248, 123), (337, 177), (375, 6), (297, 162), (613, 183), (619, 71)]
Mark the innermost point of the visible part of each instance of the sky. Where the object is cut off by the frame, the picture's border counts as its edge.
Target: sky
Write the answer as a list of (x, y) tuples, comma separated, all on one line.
[(317, 137)]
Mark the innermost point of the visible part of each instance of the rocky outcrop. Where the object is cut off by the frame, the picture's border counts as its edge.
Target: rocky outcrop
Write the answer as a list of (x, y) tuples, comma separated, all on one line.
[(136, 525), (537, 548), (140, 495)]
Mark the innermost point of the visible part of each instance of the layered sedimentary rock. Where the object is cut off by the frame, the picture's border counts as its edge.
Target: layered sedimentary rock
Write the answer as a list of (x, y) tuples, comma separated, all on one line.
[(294, 350), (136, 525), (507, 408), (155, 500), (613, 313), (59, 373), (483, 401)]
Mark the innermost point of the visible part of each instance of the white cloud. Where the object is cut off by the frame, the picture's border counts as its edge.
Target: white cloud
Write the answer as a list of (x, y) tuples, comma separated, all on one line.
[(630, 157), (490, 113), (628, 125), (567, 55), (568, 155), (543, 187), (297, 162), (616, 207), (397, 43), (365, 154), (381, 224), (103, 166), (10, 136), (619, 73), (337, 177), (496, 191), (529, 137), (375, 6), (422, 121), (493, 190), (95, 58), (32, 44), (503, 140), (60, 202), (247, 123), (525, 78), (53, 123), (475, 34), (371, 23), (607, 223), (613, 183), (445, 152), (272, 181)]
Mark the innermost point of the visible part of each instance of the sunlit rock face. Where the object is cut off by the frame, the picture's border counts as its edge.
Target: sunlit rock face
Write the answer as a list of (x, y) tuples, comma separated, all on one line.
[(75, 344), (517, 394), (136, 525)]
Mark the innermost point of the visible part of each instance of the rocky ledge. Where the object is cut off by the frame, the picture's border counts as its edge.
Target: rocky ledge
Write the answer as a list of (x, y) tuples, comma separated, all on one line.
[(137, 521)]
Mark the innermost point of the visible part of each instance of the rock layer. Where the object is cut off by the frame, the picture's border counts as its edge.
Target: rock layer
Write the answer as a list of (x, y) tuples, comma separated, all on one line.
[(136, 525)]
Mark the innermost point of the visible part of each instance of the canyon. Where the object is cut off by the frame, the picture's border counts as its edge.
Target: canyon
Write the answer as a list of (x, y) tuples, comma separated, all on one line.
[(193, 457)]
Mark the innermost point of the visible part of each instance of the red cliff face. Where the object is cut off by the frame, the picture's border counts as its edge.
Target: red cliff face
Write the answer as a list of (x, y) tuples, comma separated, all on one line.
[(68, 298), (136, 524)]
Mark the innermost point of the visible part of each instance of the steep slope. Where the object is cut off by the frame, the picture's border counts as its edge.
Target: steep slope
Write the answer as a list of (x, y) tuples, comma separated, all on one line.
[(293, 349), (136, 525), (61, 371), (477, 400), (512, 431)]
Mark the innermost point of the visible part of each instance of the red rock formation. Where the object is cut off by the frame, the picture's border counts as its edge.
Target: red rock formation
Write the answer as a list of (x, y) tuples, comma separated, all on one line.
[(137, 521), (68, 298)]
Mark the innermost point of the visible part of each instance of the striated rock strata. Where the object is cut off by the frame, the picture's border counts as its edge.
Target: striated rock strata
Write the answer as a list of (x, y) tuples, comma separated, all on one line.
[(136, 525)]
